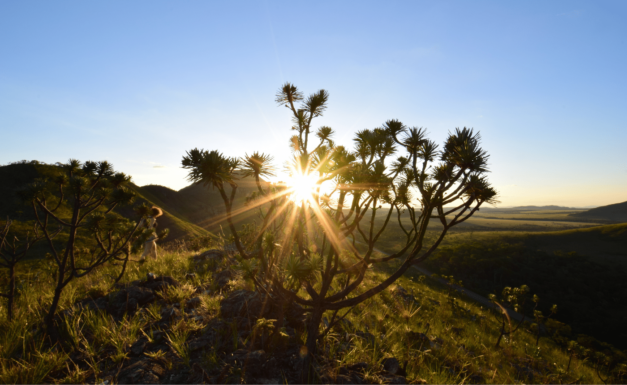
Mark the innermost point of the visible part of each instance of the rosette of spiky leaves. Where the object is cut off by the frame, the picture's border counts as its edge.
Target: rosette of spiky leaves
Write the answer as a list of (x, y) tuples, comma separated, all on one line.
[(257, 165), (247, 268), (478, 189), (463, 149), (210, 168), (322, 160), (393, 128), (297, 270), (288, 95)]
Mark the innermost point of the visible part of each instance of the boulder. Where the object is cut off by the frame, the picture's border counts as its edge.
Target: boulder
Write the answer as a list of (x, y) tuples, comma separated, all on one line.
[(138, 347), (251, 361), (223, 278), (391, 365), (170, 314), (247, 304), (144, 371), (128, 300), (160, 283), (193, 303)]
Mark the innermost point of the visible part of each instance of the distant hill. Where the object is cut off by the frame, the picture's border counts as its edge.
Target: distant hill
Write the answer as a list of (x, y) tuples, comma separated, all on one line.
[(190, 212), (551, 207), (616, 213), (16, 176), (202, 205)]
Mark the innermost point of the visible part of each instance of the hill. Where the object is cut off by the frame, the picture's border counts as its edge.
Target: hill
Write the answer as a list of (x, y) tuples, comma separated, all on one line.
[(550, 207), (194, 211), (616, 212), (15, 177), (203, 205), (203, 331)]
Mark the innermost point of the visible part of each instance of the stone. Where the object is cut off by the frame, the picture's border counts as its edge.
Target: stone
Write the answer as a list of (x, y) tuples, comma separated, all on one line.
[(138, 347), (160, 283), (144, 371), (391, 365), (250, 361), (417, 337), (223, 278), (170, 314), (393, 379), (193, 303), (369, 337), (245, 303)]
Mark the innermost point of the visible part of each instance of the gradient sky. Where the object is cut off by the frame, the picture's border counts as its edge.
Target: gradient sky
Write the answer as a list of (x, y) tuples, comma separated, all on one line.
[(140, 82)]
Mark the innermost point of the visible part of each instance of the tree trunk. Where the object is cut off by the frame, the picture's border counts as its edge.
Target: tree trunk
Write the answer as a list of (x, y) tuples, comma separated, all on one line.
[(123, 269), (313, 328), (49, 320), (11, 296)]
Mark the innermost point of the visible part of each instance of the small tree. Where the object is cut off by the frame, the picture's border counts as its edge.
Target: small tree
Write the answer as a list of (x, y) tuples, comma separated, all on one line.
[(332, 200), (80, 198), (541, 319), (515, 299), (12, 251)]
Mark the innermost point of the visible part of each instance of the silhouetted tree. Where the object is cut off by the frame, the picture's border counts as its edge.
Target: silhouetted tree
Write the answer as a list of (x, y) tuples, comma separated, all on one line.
[(80, 198), (318, 234), (12, 251)]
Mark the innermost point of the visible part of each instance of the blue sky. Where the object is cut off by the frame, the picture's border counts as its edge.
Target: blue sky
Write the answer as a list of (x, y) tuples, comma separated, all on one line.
[(139, 83)]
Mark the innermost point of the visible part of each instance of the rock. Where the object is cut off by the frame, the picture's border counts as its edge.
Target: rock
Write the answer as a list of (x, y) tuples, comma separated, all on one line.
[(128, 300), (200, 343), (418, 338), (160, 283), (250, 361), (193, 303), (170, 314), (99, 304), (393, 379), (223, 278), (358, 367), (391, 365), (138, 347), (404, 294), (142, 295), (366, 336), (210, 254), (144, 371), (247, 304), (150, 277)]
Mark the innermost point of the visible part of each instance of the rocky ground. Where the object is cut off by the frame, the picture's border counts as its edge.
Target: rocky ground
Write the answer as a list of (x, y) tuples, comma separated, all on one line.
[(234, 346)]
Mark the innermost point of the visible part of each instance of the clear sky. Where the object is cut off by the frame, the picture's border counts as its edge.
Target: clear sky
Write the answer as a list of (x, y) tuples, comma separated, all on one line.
[(140, 82)]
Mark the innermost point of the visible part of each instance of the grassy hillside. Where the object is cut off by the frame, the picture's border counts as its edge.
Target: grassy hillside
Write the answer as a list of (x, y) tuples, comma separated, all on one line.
[(582, 271), (15, 177), (616, 212), (203, 205), (414, 332)]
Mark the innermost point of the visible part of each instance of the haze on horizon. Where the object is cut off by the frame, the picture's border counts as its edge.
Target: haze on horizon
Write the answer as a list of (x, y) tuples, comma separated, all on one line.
[(139, 83)]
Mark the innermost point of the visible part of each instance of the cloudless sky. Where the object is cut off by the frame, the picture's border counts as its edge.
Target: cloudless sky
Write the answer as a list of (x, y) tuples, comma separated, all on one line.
[(138, 83)]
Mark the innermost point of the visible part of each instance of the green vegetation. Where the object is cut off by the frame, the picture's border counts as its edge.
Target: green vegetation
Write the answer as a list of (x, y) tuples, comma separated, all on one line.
[(297, 285), (437, 337), (616, 213)]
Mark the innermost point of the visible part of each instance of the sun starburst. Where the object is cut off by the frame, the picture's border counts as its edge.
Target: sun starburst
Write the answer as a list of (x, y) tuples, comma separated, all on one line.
[(302, 187)]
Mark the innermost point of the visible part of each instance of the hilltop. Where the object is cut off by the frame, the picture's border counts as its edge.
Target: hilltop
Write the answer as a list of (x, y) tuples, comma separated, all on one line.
[(550, 207), (15, 177), (616, 212)]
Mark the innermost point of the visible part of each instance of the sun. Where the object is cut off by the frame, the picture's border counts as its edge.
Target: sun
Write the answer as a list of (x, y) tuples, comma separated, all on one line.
[(302, 187)]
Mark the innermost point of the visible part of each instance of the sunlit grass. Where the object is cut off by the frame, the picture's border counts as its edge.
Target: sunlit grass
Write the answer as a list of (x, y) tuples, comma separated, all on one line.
[(459, 350)]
